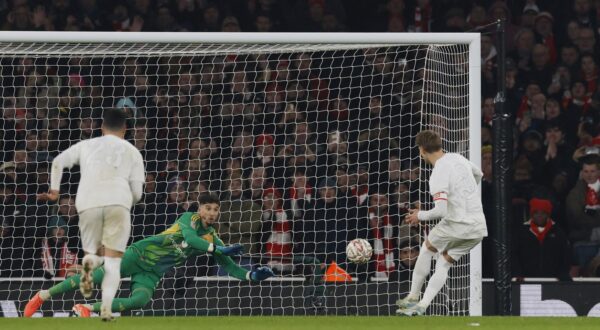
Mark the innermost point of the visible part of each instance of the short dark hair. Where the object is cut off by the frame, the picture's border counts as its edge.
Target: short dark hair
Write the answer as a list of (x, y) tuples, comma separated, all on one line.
[(592, 159), (409, 243), (208, 198), (114, 119), (429, 140)]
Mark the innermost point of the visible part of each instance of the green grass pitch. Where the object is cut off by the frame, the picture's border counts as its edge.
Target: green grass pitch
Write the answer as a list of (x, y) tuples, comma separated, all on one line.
[(304, 323)]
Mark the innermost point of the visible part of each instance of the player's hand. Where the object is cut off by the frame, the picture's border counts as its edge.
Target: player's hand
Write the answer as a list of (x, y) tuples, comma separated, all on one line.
[(261, 273), (411, 218), (231, 250), (50, 196)]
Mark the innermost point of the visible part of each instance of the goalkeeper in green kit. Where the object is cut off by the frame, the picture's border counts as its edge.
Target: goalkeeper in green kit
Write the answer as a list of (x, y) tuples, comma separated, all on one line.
[(146, 261)]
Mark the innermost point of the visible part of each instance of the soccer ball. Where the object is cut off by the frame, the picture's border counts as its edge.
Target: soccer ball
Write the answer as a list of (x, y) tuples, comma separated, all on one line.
[(359, 251)]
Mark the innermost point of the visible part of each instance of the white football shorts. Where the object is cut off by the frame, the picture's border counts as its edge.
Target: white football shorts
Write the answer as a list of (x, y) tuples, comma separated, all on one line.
[(108, 225), (455, 247)]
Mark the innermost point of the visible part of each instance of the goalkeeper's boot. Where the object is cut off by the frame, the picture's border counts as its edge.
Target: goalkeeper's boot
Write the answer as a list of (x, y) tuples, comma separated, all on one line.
[(86, 283), (415, 310), (406, 302), (81, 310), (33, 305)]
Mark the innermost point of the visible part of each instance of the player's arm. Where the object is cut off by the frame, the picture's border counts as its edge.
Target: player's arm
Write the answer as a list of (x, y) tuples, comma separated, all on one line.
[(137, 178), (233, 269), (65, 159), (439, 184), (191, 237), (439, 210)]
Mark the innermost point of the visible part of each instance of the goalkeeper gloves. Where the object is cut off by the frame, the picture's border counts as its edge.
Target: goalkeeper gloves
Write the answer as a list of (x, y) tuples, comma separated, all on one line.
[(230, 250), (261, 273)]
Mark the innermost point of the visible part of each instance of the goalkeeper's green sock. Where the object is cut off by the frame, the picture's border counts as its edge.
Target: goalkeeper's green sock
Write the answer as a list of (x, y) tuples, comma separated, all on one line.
[(138, 299), (72, 283)]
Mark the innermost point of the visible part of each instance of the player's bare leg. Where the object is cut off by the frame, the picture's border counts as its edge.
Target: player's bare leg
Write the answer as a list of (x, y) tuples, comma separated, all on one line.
[(111, 281), (420, 273)]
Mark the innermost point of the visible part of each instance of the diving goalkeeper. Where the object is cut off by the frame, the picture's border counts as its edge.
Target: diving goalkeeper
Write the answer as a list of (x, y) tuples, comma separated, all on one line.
[(146, 261)]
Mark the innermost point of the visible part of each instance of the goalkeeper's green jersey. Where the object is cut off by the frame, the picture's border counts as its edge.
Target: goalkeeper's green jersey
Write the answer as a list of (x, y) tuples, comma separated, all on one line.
[(186, 238)]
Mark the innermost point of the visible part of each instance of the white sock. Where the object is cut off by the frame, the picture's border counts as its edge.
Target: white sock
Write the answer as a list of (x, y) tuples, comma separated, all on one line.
[(112, 278), (421, 271), (93, 259), (436, 282)]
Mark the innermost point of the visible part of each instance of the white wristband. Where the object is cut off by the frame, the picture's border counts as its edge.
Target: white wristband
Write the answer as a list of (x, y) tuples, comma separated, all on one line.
[(211, 248)]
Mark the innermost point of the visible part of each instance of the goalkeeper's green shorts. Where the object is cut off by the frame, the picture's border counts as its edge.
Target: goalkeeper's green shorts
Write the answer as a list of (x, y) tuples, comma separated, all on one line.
[(140, 279)]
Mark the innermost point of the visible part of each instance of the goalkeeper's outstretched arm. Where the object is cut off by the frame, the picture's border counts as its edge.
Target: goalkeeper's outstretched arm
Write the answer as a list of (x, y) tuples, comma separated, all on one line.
[(233, 269)]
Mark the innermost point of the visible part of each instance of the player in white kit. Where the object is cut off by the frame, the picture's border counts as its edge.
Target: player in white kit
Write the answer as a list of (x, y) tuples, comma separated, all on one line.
[(112, 178), (454, 186)]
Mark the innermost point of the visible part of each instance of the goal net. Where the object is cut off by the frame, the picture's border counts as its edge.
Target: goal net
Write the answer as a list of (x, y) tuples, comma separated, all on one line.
[(308, 140)]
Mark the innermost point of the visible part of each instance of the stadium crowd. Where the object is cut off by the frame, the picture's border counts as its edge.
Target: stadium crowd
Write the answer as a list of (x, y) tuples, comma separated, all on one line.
[(274, 135)]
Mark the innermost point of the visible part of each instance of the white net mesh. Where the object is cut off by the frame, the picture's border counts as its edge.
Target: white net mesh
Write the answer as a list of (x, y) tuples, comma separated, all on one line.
[(309, 146)]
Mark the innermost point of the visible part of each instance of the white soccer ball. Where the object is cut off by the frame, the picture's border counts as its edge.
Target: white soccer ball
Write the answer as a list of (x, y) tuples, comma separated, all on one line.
[(359, 251)]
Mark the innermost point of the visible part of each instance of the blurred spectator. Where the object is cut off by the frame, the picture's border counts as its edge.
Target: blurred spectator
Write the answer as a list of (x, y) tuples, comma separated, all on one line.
[(230, 24), (540, 247), (541, 69), (256, 182), (408, 251), (524, 42), (582, 210), (576, 104), (176, 203), (382, 227), (589, 73), (300, 195), (582, 12), (336, 152), (57, 256), (240, 221), (586, 40), (544, 28), (500, 11), (455, 20), (165, 21), (530, 12), (487, 111), (477, 17), (276, 230), (317, 232), (561, 81), (569, 56), (263, 23), (144, 212), (558, 152)]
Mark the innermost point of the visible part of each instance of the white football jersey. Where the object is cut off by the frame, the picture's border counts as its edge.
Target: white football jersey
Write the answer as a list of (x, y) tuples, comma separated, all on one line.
[(112, 171), (456, 179)]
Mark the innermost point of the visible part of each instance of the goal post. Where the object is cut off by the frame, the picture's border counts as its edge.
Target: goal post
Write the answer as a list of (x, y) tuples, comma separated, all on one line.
[(214, 110)]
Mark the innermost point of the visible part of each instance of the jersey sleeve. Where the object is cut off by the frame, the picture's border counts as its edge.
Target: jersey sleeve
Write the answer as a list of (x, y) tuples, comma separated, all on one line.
[(187, 223), (477, 173), (137, 177), (439, 184), (232, 268), (65, 159)]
